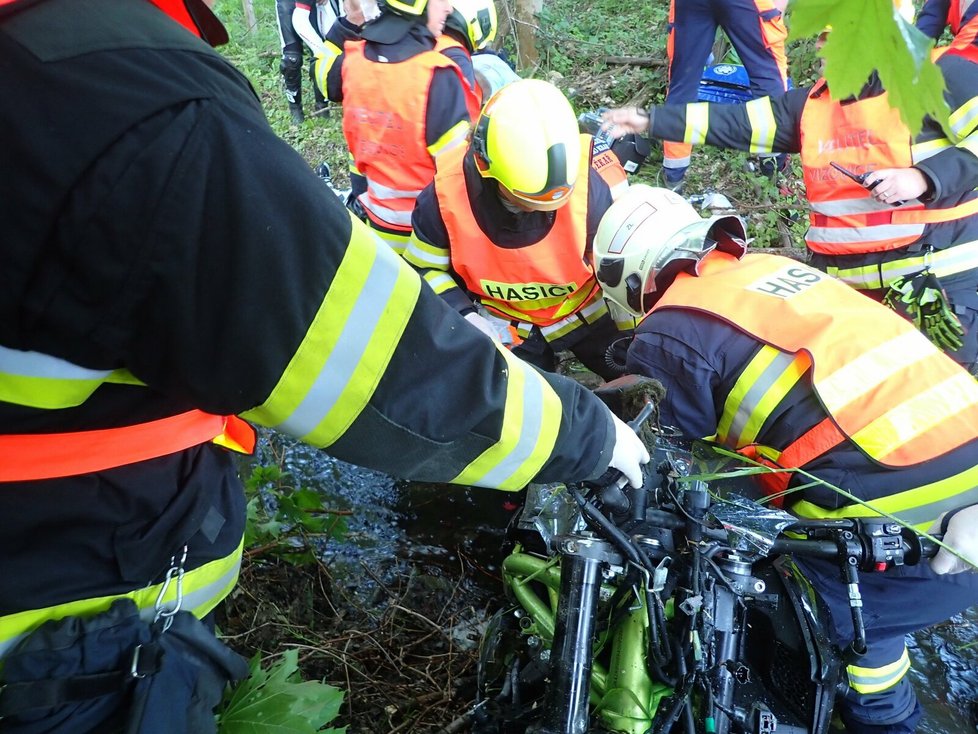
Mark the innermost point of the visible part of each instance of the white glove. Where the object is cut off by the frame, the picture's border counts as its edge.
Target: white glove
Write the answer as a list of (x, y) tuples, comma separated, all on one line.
[(482, 325), (629, 453), (962, 536)]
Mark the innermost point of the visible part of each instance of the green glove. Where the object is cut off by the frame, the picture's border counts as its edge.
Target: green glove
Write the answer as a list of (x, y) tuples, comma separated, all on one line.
[(921, 300)]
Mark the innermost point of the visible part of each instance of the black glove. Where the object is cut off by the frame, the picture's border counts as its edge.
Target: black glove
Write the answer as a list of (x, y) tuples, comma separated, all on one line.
[(922, 301)]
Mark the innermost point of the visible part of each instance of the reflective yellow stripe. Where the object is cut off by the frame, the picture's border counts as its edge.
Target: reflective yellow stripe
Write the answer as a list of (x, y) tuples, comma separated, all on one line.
[(203, 589), (874, 680), (455, 136), (866, 372), (918, 507), (426, 255), (970, 144), (762, 125), (531, 421), (39, 380), (953, 260), (324, 62), (439, 281), (334, 372), (697, 123), (914, 417), (394, 241), (922, 151), (965, 118), (758, 391), (587, 315)]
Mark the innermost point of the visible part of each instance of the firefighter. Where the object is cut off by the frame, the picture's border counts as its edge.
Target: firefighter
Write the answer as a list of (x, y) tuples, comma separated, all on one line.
[(470, 28), (959, 15), (507, 225), (169, 264), (901, 222), (404, 105), (757, 31), (776, 360)]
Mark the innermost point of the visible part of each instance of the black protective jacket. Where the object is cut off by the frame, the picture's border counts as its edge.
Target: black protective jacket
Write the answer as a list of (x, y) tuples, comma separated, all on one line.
[(153, 222)]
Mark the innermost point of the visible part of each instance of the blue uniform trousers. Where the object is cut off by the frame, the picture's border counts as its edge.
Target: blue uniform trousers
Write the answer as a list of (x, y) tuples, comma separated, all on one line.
[(895, 603)]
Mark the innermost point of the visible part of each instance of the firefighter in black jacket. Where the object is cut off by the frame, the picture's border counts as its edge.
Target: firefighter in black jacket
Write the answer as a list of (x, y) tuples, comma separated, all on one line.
[(909, 214), (155, 286)]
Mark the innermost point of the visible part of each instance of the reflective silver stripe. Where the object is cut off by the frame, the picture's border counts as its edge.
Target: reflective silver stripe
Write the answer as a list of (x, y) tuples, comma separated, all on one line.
[(748, 403), (877, 233), (951, 261), (533, 386), (200, 601), (440, 282), (762, 124), (922, 151), (451, 144), (931, 511), (391, 216), (676, 162), (842, 207), (594, 308), (379, 191), (964, 119), (875, 680), (36, 364), (343, 360), (697, 123)]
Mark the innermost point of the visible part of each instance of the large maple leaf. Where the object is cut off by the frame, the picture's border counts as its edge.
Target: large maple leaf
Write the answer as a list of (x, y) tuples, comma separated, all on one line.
[(870, 35)]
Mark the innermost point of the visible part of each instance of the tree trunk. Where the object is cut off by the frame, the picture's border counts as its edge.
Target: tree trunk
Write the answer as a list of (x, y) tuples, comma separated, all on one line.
[(526, 33), (249, 14)]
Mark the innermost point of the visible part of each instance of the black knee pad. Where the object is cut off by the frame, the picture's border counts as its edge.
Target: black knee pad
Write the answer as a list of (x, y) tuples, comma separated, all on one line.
[(291, 68)]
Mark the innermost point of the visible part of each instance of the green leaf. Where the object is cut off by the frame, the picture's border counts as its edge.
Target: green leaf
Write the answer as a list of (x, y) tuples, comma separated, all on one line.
[(870, 35), (277, 701)]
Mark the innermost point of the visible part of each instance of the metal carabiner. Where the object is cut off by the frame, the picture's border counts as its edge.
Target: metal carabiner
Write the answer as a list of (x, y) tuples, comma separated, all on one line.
[(176, 570)]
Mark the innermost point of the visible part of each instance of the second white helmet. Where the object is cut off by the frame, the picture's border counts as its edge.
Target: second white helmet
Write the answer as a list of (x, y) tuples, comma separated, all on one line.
[(645, 238)]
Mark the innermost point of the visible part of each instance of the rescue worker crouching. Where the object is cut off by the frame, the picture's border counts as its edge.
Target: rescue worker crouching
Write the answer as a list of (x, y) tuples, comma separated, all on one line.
[(160, 278), (907, 229), (405, 104), (769, 357), (469, 28), (507, 225)]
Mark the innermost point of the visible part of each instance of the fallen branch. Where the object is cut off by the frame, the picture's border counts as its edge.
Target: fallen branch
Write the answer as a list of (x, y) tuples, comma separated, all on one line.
[(647, 61)]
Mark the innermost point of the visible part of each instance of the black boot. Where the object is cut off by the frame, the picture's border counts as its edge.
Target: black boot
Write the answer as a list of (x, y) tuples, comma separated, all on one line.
[(295, 109)]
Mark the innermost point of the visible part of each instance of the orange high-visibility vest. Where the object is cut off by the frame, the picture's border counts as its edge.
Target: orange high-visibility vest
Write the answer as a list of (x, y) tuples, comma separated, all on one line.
[(541, 283), (473, 94), (885, 387), (384, 110), (862, 135), (27, 457)]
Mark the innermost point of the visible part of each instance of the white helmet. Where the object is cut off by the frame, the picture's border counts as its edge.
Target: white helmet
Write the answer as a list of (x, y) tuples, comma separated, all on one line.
[(648, 236)]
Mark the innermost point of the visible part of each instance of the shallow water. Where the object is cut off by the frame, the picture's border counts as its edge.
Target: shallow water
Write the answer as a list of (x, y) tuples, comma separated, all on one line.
[(437, 532)]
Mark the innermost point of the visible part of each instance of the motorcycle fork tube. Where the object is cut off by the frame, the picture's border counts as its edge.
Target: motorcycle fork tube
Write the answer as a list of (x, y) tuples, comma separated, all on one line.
[(727, 640), (566, 704)]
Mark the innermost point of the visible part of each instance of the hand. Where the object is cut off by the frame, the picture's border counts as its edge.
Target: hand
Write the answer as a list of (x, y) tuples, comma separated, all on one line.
[(482, 325), (629, 453), (623, 121), (962, 536), (891, 185)]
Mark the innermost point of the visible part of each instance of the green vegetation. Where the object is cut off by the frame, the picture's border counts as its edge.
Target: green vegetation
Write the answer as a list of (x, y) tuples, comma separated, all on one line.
[(277, 700), (574, 50)]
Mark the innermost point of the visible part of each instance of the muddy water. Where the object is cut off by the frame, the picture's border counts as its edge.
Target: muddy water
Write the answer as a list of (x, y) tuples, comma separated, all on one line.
[(450, 537)]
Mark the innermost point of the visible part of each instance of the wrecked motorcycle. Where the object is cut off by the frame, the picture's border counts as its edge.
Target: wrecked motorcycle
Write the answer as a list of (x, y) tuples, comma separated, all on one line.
[(671, 609)]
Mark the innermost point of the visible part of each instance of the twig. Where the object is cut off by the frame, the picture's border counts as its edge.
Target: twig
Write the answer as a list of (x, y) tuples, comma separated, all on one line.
[(646, 61)]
